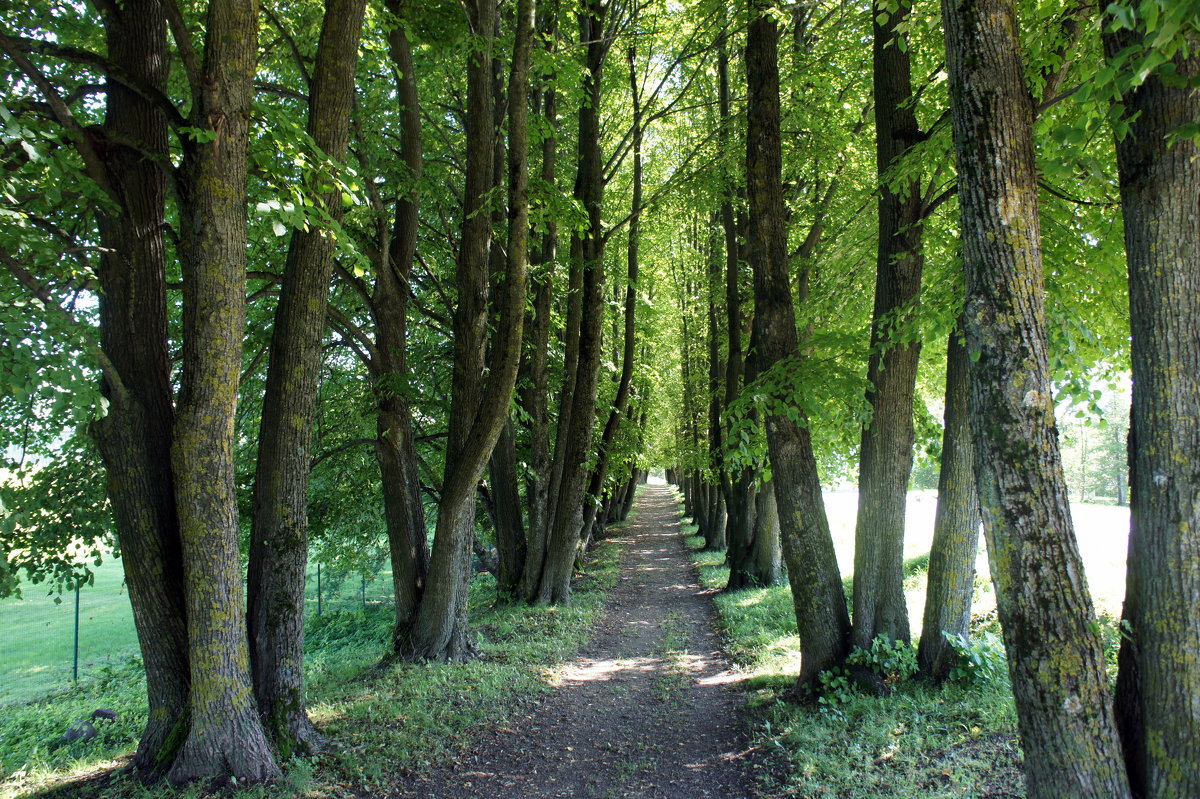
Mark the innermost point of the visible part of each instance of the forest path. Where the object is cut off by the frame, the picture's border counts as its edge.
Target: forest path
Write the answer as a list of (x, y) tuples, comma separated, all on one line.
[(647, 710)]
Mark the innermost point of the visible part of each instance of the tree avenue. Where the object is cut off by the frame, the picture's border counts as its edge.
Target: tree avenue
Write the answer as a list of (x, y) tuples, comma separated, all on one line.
[(431, 287)]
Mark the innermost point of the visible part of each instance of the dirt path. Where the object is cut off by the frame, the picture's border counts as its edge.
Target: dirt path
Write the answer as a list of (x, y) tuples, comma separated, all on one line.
[(646, 711)]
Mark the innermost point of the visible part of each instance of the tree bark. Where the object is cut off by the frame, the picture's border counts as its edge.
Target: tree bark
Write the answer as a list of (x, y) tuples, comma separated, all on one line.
[(226, 737), (820, 603), (887, 440), (279, 530), (1055, 657), (955, 526), (134, 438), (1158, 686)]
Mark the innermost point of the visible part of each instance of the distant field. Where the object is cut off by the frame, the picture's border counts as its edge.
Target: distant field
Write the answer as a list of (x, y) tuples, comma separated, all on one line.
[(36, 634), (1101, 530)]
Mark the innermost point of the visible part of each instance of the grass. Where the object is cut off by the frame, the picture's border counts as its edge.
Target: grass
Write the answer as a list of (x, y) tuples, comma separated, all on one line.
[(38, 638), (382, 722), (921, 741), (39, 635)]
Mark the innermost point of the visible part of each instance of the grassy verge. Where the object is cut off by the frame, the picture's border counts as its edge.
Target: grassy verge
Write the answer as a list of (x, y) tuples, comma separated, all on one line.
[(920, 741), (383, 723)]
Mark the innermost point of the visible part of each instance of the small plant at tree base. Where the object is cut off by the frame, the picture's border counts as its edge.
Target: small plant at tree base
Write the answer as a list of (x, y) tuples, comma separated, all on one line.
[(894, 661), (976, 660), (835, 689), (891, 661)]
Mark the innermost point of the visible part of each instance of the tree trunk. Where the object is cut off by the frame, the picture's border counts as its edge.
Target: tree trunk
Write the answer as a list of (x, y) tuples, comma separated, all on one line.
[(620, 407), (766, 557), (567, 522), (534, 397), (279, 531), (820, 603), (887, 440), (134, 438), (479, 402), (1054, 653), (395, 447), (226, 737), (1158, 688), (510, 526), (955, 526)]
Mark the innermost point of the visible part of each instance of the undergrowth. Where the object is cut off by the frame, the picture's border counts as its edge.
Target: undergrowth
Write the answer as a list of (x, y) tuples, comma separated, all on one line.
[(920, 740), (382, 723)]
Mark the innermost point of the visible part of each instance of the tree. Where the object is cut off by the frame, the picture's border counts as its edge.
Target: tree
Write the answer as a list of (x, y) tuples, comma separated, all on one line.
[(820, 604), (885, 456), (1055, 657), (279, 532), (577, 407), (1159, 167), (955, 527), (479, 403), (225, 737)]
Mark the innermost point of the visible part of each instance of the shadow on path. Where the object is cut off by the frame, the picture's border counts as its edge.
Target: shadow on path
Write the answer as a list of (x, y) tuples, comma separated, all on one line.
[(646, 711)]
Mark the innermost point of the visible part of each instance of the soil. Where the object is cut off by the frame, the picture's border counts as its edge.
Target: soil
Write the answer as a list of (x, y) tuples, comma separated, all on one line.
[(651, 707)]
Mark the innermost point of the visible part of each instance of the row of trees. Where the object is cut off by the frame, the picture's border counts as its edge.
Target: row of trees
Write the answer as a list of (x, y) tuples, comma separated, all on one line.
[(156, 156), (530, 250), (1002, 361)]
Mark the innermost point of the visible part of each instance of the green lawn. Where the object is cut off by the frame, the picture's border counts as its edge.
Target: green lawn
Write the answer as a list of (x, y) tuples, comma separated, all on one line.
[(38, 635)]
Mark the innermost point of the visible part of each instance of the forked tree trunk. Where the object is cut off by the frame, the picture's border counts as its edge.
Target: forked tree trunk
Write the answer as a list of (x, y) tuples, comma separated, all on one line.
[(955, 526), (1158, 687), (887, 440), (1054, 653), (279, 531), (479, 402), (567, 522), (226, 737), (820, 602), (134, 438)]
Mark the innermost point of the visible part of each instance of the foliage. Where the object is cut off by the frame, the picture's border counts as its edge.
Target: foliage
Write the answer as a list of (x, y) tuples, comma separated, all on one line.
[(977, 659), (55, 523)]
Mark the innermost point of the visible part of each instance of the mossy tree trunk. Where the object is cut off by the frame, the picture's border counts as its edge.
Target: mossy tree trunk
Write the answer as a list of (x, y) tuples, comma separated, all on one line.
[(955, 526), (1158, 687), (279, 529), (225, 738), (134, 438), (885, 460), (1054, 652), (820, 603)]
